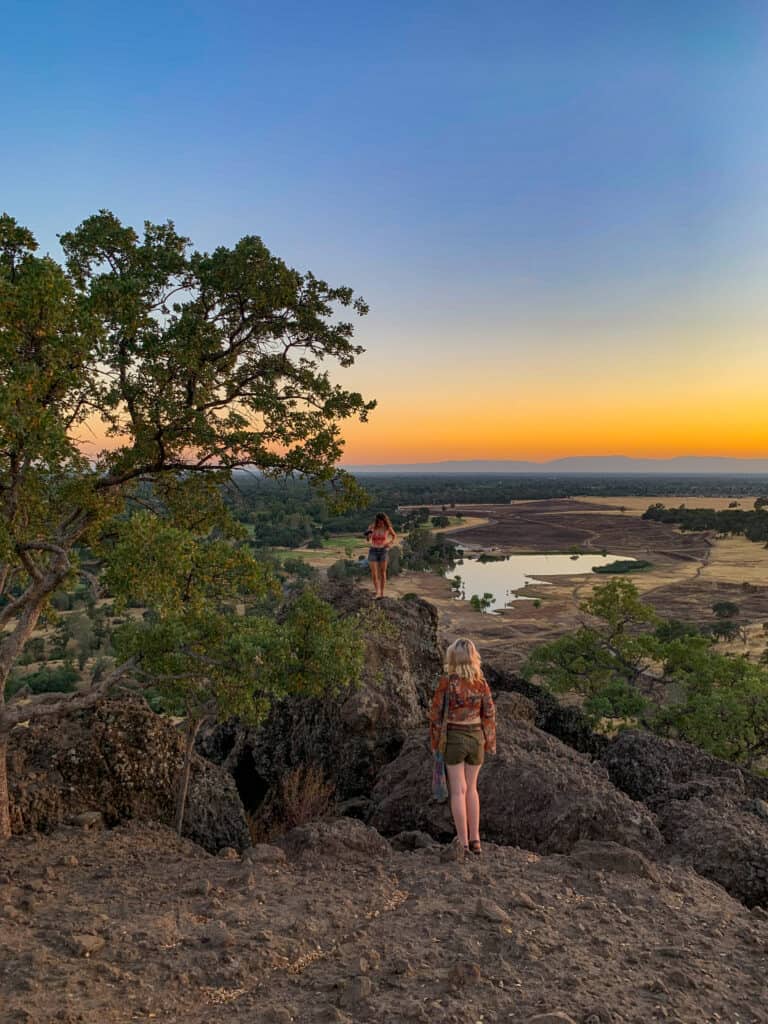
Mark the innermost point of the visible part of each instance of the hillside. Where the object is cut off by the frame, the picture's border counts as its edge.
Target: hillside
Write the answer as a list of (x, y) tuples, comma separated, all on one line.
[(622, 881)]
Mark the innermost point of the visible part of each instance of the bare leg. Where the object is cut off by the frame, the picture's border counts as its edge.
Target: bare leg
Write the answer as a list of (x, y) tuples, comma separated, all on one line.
[(382, 577), (374, 567), (457, 787), (473, 801)]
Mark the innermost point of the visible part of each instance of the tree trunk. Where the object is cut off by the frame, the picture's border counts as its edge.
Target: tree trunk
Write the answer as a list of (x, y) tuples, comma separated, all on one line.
[(5, 810), (193, 727)]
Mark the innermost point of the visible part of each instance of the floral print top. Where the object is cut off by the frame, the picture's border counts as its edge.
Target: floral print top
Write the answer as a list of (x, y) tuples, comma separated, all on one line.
[(468, 699)]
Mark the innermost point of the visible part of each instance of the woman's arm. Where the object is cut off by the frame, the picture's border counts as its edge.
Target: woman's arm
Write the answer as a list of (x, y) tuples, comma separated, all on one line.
[(436, 713), (488, 720)]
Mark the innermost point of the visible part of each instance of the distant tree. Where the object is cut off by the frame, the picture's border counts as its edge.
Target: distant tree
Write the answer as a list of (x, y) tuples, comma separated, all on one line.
[(716, 701), (194, 364), (440, 521), (482, 603), (761, 503), (725, 609)]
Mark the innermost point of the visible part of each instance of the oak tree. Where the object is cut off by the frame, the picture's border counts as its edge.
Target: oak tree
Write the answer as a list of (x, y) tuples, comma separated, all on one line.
[(136, 368)]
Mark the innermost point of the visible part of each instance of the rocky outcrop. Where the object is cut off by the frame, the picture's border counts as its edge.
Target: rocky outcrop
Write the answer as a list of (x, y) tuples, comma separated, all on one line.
[(712, 814), (535, 793), (349, 737), (121, 760), (657, 770), (567, 723)]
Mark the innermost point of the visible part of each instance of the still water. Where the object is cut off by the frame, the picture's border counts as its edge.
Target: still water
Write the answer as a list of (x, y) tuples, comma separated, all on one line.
[(505, 577)]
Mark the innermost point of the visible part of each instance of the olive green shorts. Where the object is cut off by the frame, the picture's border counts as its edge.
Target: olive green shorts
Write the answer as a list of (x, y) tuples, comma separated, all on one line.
[(465, 745)]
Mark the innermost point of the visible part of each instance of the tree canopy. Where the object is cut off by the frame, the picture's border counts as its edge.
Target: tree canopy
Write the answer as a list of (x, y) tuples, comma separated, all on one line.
[(137, 375)]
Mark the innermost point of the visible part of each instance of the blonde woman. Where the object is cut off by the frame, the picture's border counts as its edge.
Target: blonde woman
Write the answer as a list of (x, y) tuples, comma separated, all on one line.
[(462, 724), (381, 536)]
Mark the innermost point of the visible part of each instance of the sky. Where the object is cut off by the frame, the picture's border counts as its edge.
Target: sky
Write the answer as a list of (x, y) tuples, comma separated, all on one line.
[(557, 211)]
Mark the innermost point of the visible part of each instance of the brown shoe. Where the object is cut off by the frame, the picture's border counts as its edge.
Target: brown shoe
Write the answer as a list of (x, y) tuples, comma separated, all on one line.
[(475, 847)]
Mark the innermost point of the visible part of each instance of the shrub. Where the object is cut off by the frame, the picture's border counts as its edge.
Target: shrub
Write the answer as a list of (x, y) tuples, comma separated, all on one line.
[(46, 680), (302, 795), (625, 565)]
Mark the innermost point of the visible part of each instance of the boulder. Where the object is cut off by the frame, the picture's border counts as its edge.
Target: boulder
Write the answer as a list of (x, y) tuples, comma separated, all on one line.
[(709, 810), (117, 760), (653, 769), (535, 793), (335, 838), (352, 736), (721, 840), (565, 722)]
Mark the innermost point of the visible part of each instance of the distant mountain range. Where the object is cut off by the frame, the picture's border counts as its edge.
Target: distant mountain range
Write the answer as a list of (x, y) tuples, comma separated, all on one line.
[(605, 464)]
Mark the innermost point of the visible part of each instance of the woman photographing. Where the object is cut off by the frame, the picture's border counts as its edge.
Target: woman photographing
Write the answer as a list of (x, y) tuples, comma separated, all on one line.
[(381, 536)]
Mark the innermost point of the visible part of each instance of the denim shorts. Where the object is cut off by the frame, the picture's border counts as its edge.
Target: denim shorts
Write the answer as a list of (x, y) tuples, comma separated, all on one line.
[(377, 554)]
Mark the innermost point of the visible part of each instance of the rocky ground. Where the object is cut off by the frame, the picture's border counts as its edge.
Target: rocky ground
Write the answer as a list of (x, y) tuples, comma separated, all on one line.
[(336, 925), (630, 883)]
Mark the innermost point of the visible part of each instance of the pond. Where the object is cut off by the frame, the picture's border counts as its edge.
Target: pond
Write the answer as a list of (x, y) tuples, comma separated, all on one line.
[(503, 577)]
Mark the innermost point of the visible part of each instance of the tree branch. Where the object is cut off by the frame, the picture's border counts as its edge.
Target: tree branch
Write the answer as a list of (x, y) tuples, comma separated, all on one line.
[(49, 705)]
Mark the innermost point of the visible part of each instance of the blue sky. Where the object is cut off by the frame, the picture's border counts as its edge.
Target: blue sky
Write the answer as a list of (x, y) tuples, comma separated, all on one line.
[(526, 185)]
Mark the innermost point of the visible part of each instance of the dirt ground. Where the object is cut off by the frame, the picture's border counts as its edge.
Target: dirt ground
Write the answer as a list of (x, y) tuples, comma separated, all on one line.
[(690, 572), (135, 925)]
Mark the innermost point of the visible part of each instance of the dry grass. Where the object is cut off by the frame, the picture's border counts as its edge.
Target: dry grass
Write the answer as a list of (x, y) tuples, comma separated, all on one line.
[(303, 795)]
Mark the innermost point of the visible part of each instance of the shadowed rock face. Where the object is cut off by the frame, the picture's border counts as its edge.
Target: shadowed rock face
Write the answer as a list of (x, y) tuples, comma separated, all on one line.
[(535, 793), (122, 760), (713, 815), (350, 737), (652, 769)]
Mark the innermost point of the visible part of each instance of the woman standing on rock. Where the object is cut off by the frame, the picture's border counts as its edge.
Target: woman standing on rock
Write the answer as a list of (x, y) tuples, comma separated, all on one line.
[(463, 725), (381, 536)]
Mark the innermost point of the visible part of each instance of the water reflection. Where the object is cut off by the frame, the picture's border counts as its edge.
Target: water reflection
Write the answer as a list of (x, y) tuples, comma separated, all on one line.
[(495, 581)]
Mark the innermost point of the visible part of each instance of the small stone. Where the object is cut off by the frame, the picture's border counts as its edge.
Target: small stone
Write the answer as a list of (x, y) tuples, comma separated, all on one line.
[(454, 852), (598, 1015), (522, 899), (228, 853), (760, 808), (85, 944), (356, 990), (217, 934), (200, 888), (264, 853), (464, 973), (492, 911), (70, 861), (555, 1017), (90, 821)]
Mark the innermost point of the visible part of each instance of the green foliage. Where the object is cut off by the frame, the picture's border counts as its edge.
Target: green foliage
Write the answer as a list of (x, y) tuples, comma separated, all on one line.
[(622, 566), (674, 629), (724, 630), (193, 365), (718, 702), (751, 524), (618, 699), (45, 680), (481, 603), (423, 550), (725, 609)]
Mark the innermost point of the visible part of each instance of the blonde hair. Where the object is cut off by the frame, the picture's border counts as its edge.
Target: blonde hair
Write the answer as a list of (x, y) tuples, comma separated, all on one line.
[(463, 659)]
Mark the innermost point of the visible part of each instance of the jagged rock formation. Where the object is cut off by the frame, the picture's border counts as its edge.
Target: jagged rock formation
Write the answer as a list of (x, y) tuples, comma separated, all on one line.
[(712, 814), (352, 737), (535, 793), (120, 760)]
